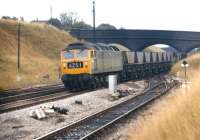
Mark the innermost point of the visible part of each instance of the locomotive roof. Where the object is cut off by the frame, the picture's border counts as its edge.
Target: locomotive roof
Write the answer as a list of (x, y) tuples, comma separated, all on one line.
[(88, 45), (119, 47)]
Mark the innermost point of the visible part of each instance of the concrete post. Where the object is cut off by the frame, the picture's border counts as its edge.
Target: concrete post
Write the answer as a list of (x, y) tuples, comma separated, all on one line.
[(112, 83)]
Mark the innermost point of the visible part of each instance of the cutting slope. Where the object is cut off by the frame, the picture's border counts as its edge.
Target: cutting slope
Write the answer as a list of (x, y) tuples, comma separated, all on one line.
[(40, 47)]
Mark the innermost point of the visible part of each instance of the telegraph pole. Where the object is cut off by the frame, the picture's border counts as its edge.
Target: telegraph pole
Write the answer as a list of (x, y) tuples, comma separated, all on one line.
[(18, 50), (51, 13), (94, 30)]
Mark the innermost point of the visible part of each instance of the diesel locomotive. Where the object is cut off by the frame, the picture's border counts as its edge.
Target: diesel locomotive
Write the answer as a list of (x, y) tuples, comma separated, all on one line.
[(87, 65)]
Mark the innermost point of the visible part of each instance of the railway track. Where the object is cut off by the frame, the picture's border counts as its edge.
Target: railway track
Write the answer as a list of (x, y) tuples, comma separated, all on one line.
[(6, 107), (13, 92), (16, 99), (16, 96), (20, 98), (90, 126), (30, 97)]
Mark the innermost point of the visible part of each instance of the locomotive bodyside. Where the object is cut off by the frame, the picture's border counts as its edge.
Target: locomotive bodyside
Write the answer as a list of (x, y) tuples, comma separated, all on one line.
[(106, 62)]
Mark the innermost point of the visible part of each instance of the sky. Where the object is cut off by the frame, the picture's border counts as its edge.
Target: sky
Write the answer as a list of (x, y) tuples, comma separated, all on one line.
[(183, 15)]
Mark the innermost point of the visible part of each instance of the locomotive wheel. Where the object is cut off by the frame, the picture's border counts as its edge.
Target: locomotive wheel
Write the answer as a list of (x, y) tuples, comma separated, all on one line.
[(106, 82), (92, 83), (75, 85), (82, 85), (79, 85), (97, 82), (66, 85), (87, 84), (70, 85), (102, 81)]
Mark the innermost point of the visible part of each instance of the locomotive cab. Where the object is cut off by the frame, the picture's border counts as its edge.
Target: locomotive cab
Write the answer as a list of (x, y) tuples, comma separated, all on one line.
[(76, 61)]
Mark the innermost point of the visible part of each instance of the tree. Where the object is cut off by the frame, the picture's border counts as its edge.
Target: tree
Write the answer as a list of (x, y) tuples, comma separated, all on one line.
[(122, 28), (105, 26), (5, 17), (81, 25), (68, 19), (8, 17), (14, 18), (21, 18), (55, 22)]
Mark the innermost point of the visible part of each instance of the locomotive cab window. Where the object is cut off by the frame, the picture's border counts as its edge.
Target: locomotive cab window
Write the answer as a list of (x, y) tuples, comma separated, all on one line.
[(82, 54), (68, 55)]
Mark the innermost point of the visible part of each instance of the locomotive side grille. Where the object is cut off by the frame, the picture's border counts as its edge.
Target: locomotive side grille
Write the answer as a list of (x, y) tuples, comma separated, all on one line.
[(74, 65)]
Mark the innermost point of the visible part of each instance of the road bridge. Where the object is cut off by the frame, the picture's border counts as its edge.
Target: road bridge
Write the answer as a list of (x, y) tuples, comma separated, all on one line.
[(137, 40)]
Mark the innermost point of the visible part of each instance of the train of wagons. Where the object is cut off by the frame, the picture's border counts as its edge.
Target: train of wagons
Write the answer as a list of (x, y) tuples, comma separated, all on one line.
[(87, 65)]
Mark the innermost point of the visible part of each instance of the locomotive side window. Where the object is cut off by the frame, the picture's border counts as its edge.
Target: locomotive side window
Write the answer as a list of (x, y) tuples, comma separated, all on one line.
[(93, 54)]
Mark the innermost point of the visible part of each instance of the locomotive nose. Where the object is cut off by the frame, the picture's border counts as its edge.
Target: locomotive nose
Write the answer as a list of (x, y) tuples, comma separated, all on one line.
[(76, 67)]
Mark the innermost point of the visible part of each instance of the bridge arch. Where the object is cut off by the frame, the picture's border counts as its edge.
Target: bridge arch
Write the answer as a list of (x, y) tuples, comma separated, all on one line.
[(193, 51), (160, 48), (194, 47)]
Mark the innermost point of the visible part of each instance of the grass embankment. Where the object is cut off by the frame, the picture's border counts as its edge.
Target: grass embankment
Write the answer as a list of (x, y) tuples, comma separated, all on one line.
[(179, 117), (40, 50), (194, 65)]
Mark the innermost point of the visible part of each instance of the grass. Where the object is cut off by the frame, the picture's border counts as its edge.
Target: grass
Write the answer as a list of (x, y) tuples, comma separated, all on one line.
[(40, 50), (179, 117), (194, 64)]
